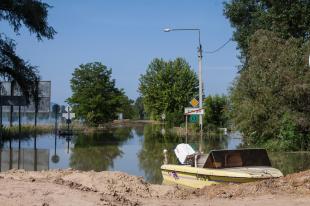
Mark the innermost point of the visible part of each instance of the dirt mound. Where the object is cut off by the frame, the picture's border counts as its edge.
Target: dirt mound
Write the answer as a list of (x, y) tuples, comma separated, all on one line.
[(65, 187), (298, 183), (112, 187)]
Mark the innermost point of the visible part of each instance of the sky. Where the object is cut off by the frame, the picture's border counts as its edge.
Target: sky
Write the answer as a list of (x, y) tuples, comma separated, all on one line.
[(126, 36)]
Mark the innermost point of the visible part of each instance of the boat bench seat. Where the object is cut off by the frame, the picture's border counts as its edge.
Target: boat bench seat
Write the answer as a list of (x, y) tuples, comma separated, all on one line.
[(201, 160)]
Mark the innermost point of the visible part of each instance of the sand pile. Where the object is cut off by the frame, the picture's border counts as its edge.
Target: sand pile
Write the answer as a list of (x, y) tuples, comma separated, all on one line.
[(113, 188), (298, 183), (70, 187)]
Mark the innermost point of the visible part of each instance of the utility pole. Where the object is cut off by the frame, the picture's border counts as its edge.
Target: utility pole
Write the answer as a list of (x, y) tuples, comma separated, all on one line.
[(200, 80), (199, 68)]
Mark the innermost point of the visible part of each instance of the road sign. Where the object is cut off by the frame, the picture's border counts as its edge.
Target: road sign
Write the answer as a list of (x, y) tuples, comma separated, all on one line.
[(193, 118), (194, 102), (68, 114), (193, 111), (68, 109)]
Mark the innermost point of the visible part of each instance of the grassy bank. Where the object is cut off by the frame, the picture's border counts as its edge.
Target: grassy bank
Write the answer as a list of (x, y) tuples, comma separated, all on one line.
[(26, 131), (193, 130), (78, 127)]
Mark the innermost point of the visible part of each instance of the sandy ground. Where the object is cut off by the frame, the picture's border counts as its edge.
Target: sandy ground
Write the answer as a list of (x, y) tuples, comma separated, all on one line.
[(70, 187)]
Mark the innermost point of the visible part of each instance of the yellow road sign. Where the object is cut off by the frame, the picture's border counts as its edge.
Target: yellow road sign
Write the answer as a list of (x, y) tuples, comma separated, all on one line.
[(194, 102)]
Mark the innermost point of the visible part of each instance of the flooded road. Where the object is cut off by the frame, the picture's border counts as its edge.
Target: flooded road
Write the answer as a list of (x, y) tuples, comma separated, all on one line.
[(136, 151)]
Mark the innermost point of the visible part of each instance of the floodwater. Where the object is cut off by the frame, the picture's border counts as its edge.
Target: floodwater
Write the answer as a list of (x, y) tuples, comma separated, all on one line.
[(136, 151)]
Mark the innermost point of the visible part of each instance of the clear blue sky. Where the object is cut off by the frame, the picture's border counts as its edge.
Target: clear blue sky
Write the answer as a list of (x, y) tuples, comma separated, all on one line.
[(126, 36)]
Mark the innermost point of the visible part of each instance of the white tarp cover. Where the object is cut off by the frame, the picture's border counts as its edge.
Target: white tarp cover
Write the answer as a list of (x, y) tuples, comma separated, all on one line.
[(182, 151)]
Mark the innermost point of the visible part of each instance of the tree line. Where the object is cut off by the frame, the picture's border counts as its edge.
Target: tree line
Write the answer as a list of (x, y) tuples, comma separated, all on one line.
[(269, 100)]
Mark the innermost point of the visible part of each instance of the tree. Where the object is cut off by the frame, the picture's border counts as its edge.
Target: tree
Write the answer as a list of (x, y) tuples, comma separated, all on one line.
[(33, 14), (126, 107), (167, 87), (139, 108), (94, 95), (216, 112), (270, 99), (286, 18)]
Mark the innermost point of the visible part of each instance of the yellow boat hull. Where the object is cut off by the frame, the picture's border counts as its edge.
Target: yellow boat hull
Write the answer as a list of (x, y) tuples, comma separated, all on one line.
[(200, 177)]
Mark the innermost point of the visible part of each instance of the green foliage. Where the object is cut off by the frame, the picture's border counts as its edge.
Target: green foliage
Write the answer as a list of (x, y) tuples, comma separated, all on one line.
[(127, 107), (32, 14), (139, 109), (290, 162), (271, 98), (175, 118), (167, 87), (289, 138), (94, 95), (286, 18), (18, 71), (216, 112)]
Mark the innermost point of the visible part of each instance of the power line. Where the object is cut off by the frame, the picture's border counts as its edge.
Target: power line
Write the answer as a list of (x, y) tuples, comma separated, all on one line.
[(218, 49)]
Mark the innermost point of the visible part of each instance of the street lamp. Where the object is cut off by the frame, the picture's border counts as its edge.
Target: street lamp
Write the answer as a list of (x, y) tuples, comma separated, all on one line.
[(199, 66)]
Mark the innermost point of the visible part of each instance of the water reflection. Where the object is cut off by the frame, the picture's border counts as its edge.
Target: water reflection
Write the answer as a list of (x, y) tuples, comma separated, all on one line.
[(139, 130), (55, 157), (97, 151), (151, 154), (22, 158), (137, 151), (27, 159)]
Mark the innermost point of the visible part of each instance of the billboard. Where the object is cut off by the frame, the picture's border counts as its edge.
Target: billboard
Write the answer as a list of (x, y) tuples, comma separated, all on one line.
[(16, 99)]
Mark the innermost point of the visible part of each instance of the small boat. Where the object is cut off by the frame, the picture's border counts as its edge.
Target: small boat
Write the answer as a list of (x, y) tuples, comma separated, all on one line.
[(219, 166)]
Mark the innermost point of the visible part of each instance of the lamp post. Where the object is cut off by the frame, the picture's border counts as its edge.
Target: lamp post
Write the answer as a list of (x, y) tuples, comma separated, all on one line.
[(199, 67)]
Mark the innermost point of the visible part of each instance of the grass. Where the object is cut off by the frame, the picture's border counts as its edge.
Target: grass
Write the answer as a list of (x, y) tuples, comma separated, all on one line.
[(26, 131)]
